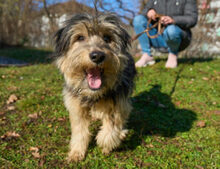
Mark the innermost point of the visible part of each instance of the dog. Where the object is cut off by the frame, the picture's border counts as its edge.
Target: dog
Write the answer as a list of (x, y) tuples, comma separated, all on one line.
[(92, 53)]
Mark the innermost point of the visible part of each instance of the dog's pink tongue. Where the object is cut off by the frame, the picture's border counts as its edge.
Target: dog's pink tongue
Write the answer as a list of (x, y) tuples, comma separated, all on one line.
[(94, 78)]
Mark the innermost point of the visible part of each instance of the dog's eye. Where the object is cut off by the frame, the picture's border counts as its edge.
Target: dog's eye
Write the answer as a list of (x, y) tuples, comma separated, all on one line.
[(80, 38), (107, 38)]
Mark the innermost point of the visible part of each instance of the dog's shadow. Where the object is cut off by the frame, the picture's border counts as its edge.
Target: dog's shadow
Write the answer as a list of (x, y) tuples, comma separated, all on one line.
[(154, 114)]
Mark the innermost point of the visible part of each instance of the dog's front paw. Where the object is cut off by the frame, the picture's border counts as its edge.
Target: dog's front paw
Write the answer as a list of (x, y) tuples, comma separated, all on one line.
[(75, 156), (106, 151), (123, 134)]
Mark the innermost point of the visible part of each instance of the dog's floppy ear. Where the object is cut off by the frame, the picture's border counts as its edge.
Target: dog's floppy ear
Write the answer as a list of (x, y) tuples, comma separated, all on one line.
[(125, 38), (62, 37), (62, 41), (123, 34)]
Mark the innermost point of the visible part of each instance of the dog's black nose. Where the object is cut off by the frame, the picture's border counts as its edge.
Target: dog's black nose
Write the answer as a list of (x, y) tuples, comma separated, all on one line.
[(97, 56)]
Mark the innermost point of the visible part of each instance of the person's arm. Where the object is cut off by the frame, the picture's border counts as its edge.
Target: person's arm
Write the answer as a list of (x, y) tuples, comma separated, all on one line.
[(189, 19), (149, 6)]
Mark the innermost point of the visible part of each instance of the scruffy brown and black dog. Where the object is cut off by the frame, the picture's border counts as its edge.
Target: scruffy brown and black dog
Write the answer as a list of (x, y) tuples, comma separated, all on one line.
[(92, 54)]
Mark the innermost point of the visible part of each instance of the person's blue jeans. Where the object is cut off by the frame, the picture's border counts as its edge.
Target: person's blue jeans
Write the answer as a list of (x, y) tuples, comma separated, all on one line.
[(170, 38)]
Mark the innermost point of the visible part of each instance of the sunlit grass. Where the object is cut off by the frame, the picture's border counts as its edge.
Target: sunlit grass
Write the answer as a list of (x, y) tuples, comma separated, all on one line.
[(168, 104)]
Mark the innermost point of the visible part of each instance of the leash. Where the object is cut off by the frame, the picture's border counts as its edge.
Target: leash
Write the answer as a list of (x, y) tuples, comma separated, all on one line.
[(160, 28)]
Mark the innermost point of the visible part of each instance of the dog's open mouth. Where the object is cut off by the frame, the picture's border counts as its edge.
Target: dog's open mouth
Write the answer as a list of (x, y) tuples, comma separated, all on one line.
[(94, 78)]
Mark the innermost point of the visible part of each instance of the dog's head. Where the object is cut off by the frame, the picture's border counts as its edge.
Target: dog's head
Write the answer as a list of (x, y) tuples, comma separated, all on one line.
[(92, 53)]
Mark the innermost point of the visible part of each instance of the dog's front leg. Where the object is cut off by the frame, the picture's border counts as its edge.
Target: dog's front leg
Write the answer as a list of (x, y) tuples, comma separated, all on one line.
[(80, 135), (112, 130)]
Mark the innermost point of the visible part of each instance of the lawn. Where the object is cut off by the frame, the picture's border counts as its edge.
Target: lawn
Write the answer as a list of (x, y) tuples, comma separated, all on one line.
[(175, 122)]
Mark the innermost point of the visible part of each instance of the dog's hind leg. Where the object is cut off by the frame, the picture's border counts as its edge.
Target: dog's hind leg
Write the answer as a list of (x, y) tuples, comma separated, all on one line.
[(80, 135), (112, 130)]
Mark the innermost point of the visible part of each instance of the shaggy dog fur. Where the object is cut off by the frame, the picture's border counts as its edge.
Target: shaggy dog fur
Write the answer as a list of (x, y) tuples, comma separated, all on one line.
[(92, 54)]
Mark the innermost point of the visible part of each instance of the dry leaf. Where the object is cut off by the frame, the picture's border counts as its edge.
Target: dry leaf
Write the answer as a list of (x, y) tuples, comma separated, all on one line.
[(150, 146), (61, 119), (26, 160), (36, 154), (149, 153), (35, 149), (205, 78), (201, 124), (49, 125), (55, 129), (13, 98), (40, 113), (2, 113), (10, 108), (147, 165), (178, 103), (2, 121), (41, 163), (10, 135), (217, 112), (33, 116), (199, 167), (53, 119), (13, 134), (161, 105), (12, 88)]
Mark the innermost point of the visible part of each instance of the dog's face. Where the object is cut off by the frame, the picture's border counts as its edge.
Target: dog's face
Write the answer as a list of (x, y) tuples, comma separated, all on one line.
[(91, 53)]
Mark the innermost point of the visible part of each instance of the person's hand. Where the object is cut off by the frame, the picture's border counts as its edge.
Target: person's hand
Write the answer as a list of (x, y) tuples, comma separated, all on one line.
[(165, 20), (151, 14)]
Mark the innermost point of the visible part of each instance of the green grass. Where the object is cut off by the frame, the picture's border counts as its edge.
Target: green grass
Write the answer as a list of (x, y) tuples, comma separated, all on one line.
[(168, 104), (29, 55)]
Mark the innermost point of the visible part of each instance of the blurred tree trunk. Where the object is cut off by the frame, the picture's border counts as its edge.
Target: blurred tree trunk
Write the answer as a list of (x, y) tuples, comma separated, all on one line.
[(15, 19), (50, 16)]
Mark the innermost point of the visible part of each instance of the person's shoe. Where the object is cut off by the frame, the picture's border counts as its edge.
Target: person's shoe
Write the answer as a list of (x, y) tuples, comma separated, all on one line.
[(137, 55), (145, 60), (171, 61)]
